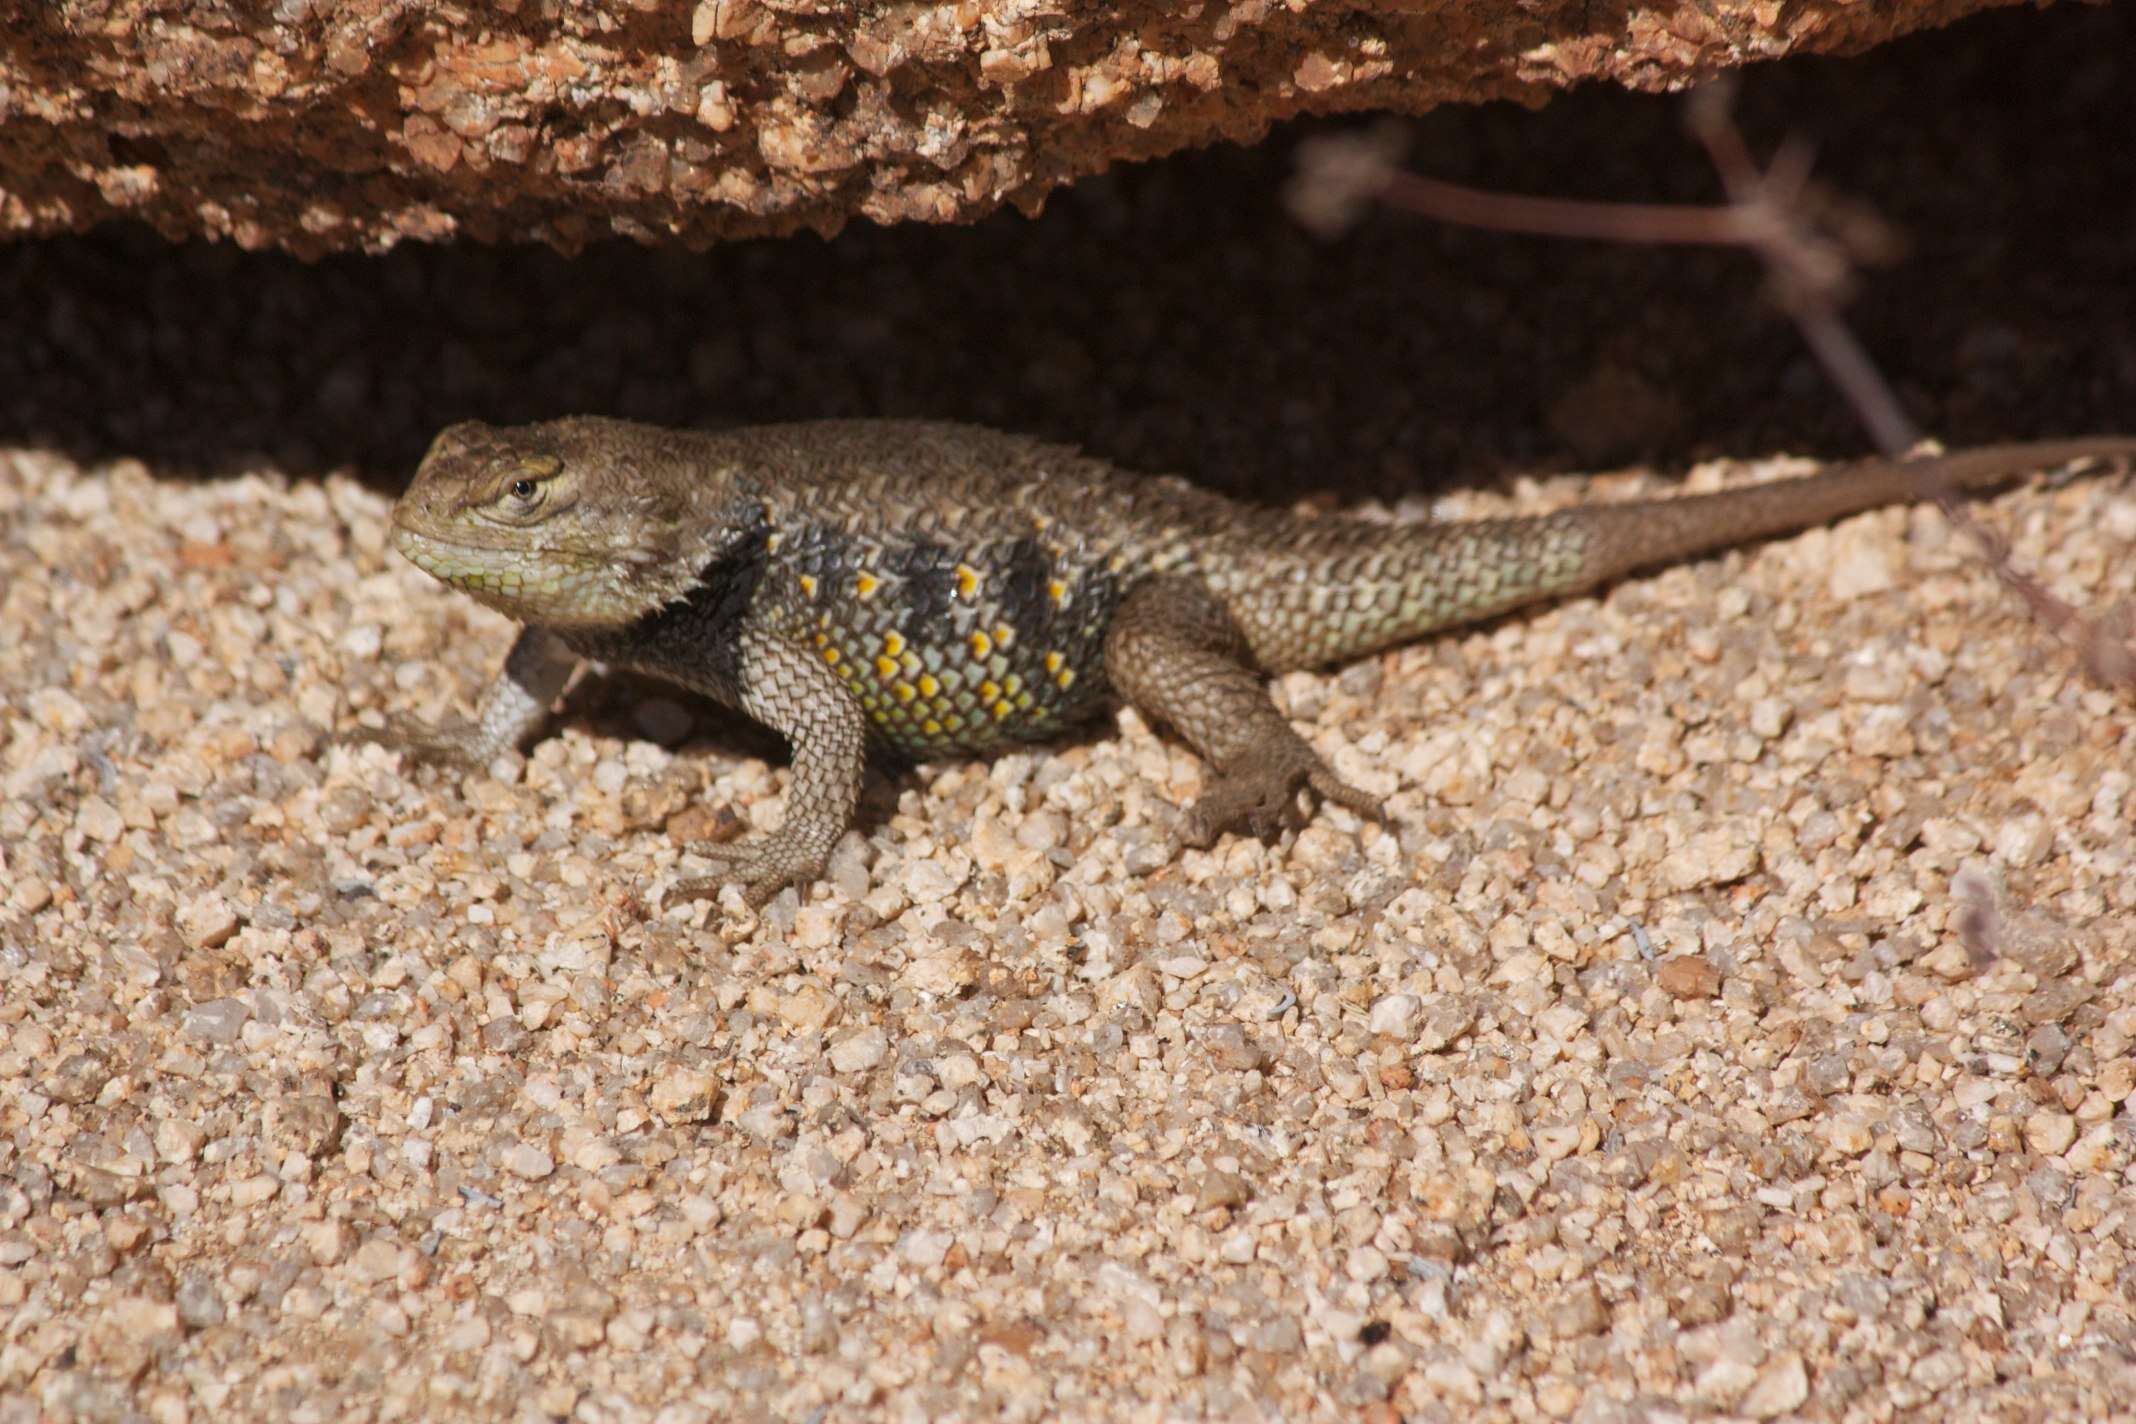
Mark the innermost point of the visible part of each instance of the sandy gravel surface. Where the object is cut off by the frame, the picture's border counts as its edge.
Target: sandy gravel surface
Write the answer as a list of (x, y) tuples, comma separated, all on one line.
[(1638, 1062)]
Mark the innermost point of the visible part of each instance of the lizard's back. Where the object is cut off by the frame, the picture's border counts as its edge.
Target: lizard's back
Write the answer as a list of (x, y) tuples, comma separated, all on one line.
[(964, 584)]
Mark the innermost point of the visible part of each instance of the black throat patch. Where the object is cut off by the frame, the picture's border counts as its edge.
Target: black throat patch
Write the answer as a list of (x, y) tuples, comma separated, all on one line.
[(696, 640)]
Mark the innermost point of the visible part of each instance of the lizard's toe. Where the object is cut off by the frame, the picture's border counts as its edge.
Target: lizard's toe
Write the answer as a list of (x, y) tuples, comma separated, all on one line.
[(1333, 788), (453, 745), (756, 891), (1261, 799), (761, 866)]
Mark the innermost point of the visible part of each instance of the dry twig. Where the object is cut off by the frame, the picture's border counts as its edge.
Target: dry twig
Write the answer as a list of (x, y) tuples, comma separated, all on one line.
[(1812, 244)]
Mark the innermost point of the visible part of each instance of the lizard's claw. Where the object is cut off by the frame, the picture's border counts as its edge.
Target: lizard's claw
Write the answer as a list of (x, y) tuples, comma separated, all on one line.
[(455, 745), (761, 865), (1258, 797)]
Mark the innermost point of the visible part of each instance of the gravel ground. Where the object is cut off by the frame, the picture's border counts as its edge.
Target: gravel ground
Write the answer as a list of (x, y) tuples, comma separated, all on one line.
[(1639, 1062), (1733, 1019)]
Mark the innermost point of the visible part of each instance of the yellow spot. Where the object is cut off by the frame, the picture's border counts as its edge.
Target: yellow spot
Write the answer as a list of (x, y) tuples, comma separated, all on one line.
[(1054, 661), (931, 727), (864, 585), (808, 584), (954, 721), (1000, 710), (928, 686), (1056, 590), (1004, 636), (886, 668), (772, 542), (894, 644), (905, 691), (981, 645), (830, 655), (1065, 678), (967, 580), (988, 691), (823, 620), (822, 638)]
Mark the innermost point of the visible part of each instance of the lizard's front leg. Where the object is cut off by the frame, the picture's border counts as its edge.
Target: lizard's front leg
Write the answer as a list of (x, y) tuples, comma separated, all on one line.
[(1176, 654), (512, 710), (791, 689)]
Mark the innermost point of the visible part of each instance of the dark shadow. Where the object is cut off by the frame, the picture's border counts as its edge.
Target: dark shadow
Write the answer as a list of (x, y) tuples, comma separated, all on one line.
[(612, 704), (1170, 317)]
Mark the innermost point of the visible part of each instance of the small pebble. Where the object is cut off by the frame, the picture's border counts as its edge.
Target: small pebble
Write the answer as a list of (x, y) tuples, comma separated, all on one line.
[(679, 1096), (1395, 1015), (1688, 977), (206, 922), (526, 1160), (860, 1050), (1782, 1387)]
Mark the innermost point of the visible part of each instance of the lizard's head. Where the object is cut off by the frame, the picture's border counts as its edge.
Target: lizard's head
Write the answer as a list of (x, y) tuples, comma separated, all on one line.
[(575, 522)]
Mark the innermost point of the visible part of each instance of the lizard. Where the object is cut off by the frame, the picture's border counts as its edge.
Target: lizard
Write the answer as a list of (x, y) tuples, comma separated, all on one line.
[(930, 588)]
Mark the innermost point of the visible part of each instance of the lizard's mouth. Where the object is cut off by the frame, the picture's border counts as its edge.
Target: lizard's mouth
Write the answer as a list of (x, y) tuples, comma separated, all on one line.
[(549, 585), (436, 553), (449, 560), (439, 556), (480, 567)]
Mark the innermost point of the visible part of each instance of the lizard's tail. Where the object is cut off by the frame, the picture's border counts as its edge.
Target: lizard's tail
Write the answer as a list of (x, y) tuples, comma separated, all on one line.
[(1358, 588)]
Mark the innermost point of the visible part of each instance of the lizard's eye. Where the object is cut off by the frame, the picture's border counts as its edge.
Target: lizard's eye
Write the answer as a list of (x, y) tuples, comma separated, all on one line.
[(529, 489)]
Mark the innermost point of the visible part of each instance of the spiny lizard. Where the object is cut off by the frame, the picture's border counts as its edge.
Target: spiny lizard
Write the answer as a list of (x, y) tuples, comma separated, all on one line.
[(942, 588)]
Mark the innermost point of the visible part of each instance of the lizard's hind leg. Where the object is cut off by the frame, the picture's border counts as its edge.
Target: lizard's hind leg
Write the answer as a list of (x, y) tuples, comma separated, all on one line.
[(1177, 656)]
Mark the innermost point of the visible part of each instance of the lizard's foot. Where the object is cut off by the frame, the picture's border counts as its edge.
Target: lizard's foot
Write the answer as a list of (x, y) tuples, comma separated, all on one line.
[(1257, 795), (761, 865), (457, 744)]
